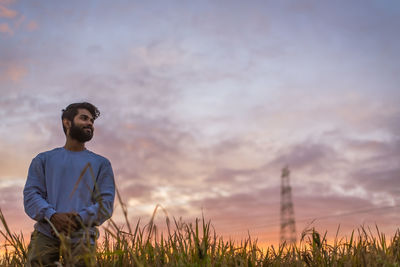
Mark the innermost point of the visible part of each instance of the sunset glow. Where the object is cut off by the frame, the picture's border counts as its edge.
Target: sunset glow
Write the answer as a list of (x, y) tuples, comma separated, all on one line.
[(204, 102)]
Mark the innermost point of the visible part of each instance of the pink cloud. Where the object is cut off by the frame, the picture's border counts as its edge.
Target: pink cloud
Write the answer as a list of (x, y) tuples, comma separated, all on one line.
[(6, 2), (32, 26), (12, 208), (7, 13), (5, 28)]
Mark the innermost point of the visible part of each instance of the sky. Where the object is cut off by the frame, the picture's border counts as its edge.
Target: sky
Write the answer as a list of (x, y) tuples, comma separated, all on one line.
[(204, 102)]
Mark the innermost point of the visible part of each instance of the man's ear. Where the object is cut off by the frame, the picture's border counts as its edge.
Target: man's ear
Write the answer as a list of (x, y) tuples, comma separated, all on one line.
[(67, 124)]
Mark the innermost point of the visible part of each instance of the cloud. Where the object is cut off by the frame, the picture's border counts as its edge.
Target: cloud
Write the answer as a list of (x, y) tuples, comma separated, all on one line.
[(259, 211), (5, 28), (326, 210), (147, 145), (136, 189), (12, 163), (32, 26), (94, 49), (159, 55), (203, 109), (380, 180), (7, 2), (156, 154), (378, 170), (11, 204), (229, 189), (12, 72), (7, 13), (306, 154)]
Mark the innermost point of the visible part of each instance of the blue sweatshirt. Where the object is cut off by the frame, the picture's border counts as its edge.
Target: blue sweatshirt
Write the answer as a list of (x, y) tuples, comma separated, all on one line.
[(61, 180)]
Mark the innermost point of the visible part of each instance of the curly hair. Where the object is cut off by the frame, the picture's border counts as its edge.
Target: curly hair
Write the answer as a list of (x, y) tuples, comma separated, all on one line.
[(71, 111)]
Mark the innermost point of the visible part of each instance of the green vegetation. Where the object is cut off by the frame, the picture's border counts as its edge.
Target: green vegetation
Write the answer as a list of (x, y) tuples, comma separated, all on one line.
[(198, 245)]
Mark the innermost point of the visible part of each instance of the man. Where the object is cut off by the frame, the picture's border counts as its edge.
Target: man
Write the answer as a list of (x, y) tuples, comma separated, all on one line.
[(69, 191)]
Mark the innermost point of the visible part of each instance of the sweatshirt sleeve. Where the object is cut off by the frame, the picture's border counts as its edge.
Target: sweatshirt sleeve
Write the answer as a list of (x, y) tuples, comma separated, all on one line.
[(103, 198), (35, 195)]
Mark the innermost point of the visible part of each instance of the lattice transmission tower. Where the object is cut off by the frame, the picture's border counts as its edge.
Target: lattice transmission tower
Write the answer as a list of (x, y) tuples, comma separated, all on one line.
[(288, 224)]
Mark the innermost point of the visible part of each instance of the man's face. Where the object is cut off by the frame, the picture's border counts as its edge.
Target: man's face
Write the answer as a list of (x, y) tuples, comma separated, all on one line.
[(82, 126)]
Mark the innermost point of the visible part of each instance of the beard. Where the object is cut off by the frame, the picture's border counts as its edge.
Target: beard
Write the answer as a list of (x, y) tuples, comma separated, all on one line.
[(80, 134)]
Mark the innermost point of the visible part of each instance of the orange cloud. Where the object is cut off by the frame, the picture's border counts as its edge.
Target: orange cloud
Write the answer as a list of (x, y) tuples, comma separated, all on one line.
[(7, 13), (32, 26), (4, 28), (12, 72), (16, 73)]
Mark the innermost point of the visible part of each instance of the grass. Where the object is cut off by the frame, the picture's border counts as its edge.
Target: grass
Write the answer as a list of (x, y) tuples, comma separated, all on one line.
[(197, 244)]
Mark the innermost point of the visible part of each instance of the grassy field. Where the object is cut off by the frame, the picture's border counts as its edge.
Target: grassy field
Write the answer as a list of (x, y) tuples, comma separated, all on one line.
[(196, 244)]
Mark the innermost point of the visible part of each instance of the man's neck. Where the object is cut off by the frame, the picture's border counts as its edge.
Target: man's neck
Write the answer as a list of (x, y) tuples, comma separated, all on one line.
[(74, 145)]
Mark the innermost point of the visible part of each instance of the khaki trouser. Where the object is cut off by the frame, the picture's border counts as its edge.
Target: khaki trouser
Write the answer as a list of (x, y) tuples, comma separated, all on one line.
[(46, 251)]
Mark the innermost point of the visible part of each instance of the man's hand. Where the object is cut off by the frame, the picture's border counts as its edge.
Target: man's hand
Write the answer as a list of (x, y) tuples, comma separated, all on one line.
[(66, 223)]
